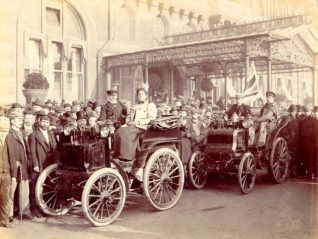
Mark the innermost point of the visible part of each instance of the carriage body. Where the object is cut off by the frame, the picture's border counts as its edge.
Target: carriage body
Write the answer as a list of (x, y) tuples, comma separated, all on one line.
[(228, 151), (87, 174), (224, 148)]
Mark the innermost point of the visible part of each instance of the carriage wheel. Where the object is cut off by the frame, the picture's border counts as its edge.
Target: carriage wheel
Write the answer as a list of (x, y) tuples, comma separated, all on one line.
[(197, 170), (163, 179), (49, 196), (247, 173), (103, 197), (278, 161)]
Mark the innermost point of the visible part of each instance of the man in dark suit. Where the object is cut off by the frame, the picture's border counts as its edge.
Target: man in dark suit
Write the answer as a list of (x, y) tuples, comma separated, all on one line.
[(113, 110), (309, 143), (43, 148), (239, 108), (18, 159)]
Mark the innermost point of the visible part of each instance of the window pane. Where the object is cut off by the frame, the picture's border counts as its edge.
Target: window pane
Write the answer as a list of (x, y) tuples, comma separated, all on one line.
[(69, 82), (75, 61), (53, 16), (57, 54), (57, 84), (34, 55), (74, 86)]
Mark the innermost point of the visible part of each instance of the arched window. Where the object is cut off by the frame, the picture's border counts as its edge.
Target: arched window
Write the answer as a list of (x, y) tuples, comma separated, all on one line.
[(56, 47), (123, 25)]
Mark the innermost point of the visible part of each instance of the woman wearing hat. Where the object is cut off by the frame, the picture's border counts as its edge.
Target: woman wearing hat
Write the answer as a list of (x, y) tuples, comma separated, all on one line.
[(126, 138)]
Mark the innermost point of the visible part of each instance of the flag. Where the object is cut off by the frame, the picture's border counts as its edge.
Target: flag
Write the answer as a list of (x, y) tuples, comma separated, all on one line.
[(252, 91), (251, 88)]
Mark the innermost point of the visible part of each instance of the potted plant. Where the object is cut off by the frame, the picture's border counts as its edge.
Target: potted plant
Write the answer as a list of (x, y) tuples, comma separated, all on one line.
[(35, 86)]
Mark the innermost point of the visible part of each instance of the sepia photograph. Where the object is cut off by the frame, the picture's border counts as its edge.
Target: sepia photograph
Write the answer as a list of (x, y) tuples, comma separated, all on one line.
[(159, 119)]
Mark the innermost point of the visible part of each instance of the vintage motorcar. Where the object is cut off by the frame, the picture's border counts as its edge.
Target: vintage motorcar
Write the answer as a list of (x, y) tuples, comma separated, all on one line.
[(229, 151), (87, 173)]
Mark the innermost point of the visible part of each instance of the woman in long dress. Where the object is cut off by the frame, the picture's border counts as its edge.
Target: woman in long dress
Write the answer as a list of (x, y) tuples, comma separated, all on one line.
[(126, 137)]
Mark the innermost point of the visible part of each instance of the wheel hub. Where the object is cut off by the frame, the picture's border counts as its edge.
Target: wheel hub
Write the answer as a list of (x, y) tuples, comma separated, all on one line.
[(105, 195)]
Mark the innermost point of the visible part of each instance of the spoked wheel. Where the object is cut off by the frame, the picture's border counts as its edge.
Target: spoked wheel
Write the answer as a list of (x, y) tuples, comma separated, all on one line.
[(48, 193), (163, 179), (247, 173), (103, 197), (278, 161), (197, 170)]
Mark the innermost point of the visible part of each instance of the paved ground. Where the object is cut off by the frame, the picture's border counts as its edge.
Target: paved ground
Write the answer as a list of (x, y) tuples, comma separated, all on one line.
[(288, 210)]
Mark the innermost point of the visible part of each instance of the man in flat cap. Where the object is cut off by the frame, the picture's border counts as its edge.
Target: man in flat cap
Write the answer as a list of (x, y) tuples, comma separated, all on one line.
[(18, 151), (43, 152), (269, 114), (113, 109)]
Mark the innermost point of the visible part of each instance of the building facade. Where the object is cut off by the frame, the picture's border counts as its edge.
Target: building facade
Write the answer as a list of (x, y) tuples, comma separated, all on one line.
[(68, 41)]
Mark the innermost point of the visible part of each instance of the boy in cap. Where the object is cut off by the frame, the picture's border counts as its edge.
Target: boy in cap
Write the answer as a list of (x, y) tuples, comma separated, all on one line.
[(5, 178), (18, 158)]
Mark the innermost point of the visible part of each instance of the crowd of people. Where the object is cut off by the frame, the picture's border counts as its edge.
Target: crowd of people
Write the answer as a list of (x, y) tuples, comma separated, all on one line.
[(31, 137)]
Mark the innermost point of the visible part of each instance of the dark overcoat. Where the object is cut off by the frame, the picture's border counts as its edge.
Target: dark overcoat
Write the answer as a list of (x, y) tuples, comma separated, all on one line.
[(42, 153), (308, 135), (116, 112), (17, 151), (242, 110)]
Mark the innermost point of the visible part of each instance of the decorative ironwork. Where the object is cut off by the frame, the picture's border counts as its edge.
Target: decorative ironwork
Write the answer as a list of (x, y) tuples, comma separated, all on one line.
[(257, 47), (293, 51), (232, 50), (246, 28)]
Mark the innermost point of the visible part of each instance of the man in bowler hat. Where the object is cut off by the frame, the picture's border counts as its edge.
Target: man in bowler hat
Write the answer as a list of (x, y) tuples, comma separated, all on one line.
[(113, 110), (239, 108)]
